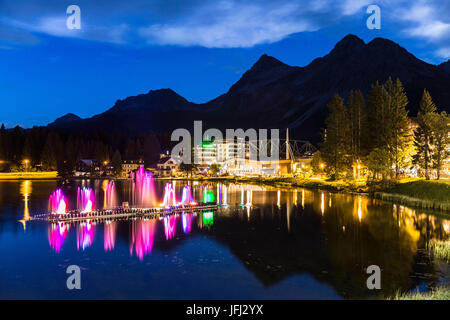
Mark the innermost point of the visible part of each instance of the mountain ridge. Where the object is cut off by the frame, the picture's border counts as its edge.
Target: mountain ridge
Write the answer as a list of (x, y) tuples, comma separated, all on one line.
[(272, 94)]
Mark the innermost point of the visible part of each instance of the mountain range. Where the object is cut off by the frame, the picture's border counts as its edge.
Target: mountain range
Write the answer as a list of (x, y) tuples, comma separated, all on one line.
[(272, 94)]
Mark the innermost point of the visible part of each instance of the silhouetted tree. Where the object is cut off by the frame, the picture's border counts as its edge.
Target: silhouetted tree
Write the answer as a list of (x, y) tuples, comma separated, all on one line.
[(335, 149), (423, 134), (441, 140)]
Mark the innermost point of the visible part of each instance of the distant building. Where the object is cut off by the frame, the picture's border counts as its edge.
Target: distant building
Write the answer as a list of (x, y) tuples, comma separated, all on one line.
[(232, 155), (87, 168), (165, 166), (131, 165)]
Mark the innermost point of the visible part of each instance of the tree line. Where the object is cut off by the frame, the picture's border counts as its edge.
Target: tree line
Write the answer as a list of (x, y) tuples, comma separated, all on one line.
[(376, 133), (45, 149)]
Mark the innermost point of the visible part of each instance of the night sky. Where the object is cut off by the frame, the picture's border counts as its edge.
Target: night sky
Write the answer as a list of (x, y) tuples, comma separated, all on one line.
[(199, 48)]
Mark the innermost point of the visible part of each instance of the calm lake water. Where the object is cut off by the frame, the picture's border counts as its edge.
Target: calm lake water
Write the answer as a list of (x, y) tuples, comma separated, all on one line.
[(265, 243)]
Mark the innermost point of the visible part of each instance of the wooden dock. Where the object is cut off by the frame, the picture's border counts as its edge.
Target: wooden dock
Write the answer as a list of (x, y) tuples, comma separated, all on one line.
[(122, 213)]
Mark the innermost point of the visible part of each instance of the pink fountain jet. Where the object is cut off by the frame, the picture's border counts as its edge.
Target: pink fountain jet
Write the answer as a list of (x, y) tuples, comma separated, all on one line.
[(169, 195), (186, 197), (110, 196), (144, 190), (85, 200), (57, 202)]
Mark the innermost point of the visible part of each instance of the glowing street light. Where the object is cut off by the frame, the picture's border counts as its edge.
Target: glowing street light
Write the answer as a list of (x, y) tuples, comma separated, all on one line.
[(26, 164)]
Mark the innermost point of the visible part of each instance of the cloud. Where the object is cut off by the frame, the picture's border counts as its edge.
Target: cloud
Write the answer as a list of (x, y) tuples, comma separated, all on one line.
[(428, 20), (443, 52), (56, 26), (350, 7), (229, 25), (214, 23)]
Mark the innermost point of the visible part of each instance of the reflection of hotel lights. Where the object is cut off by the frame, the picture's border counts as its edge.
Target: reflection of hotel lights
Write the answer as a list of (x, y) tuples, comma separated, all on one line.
[(303, 199), (279, 199), (224, 196), (359, 209), (322, 205), (249, 198), (25, 190)]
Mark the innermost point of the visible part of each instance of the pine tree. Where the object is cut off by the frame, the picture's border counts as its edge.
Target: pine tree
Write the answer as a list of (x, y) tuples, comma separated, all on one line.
[(379, 128), (358, 124), (335, 149), (27, 152), (441, 140), (423, 134), (53, 152), (116, 163), (399, 138), (3, 153)]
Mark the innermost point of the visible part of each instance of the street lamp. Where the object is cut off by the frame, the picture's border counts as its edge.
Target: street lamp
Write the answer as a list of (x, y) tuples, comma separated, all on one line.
[(26, 164)]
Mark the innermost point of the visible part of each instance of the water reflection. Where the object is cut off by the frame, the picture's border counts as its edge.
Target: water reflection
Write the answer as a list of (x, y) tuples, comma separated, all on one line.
[(142, 237), (109, 235), (85, 235), (170, 223), (25, 191), (277, 233), (187, 222), (57, 234)]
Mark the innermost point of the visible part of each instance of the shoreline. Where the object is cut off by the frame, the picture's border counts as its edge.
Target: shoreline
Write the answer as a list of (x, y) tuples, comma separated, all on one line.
[(386, 191), (376, 191), (47, 175)]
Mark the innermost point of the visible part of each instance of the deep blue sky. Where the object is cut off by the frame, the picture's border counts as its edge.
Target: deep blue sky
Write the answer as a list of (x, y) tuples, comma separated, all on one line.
[(198, 48)]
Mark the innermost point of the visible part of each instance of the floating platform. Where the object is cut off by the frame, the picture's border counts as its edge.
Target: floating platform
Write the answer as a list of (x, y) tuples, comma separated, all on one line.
[(122, 213)]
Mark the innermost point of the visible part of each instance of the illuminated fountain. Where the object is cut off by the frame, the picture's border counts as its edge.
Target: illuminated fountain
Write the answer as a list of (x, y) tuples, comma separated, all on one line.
[(186, 197), (186, 219), (143, 188), (85, 235), (170, 223), (169, 195), (85, 200), (109, 239), (57, 233), (110, 201), (57, 203), (142, 236), (208, 196)]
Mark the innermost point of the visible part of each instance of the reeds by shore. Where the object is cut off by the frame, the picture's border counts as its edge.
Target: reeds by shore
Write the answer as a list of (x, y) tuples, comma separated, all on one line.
[(413, 202), (440, 293)]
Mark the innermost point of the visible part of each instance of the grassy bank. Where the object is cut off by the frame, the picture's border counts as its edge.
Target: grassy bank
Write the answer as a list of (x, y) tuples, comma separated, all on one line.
[(441, 250), (28, 175), (441, 293), (419, 193)]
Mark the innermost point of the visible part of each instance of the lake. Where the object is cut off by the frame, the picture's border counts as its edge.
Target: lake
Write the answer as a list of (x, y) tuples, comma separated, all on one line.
[(261, 243)]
